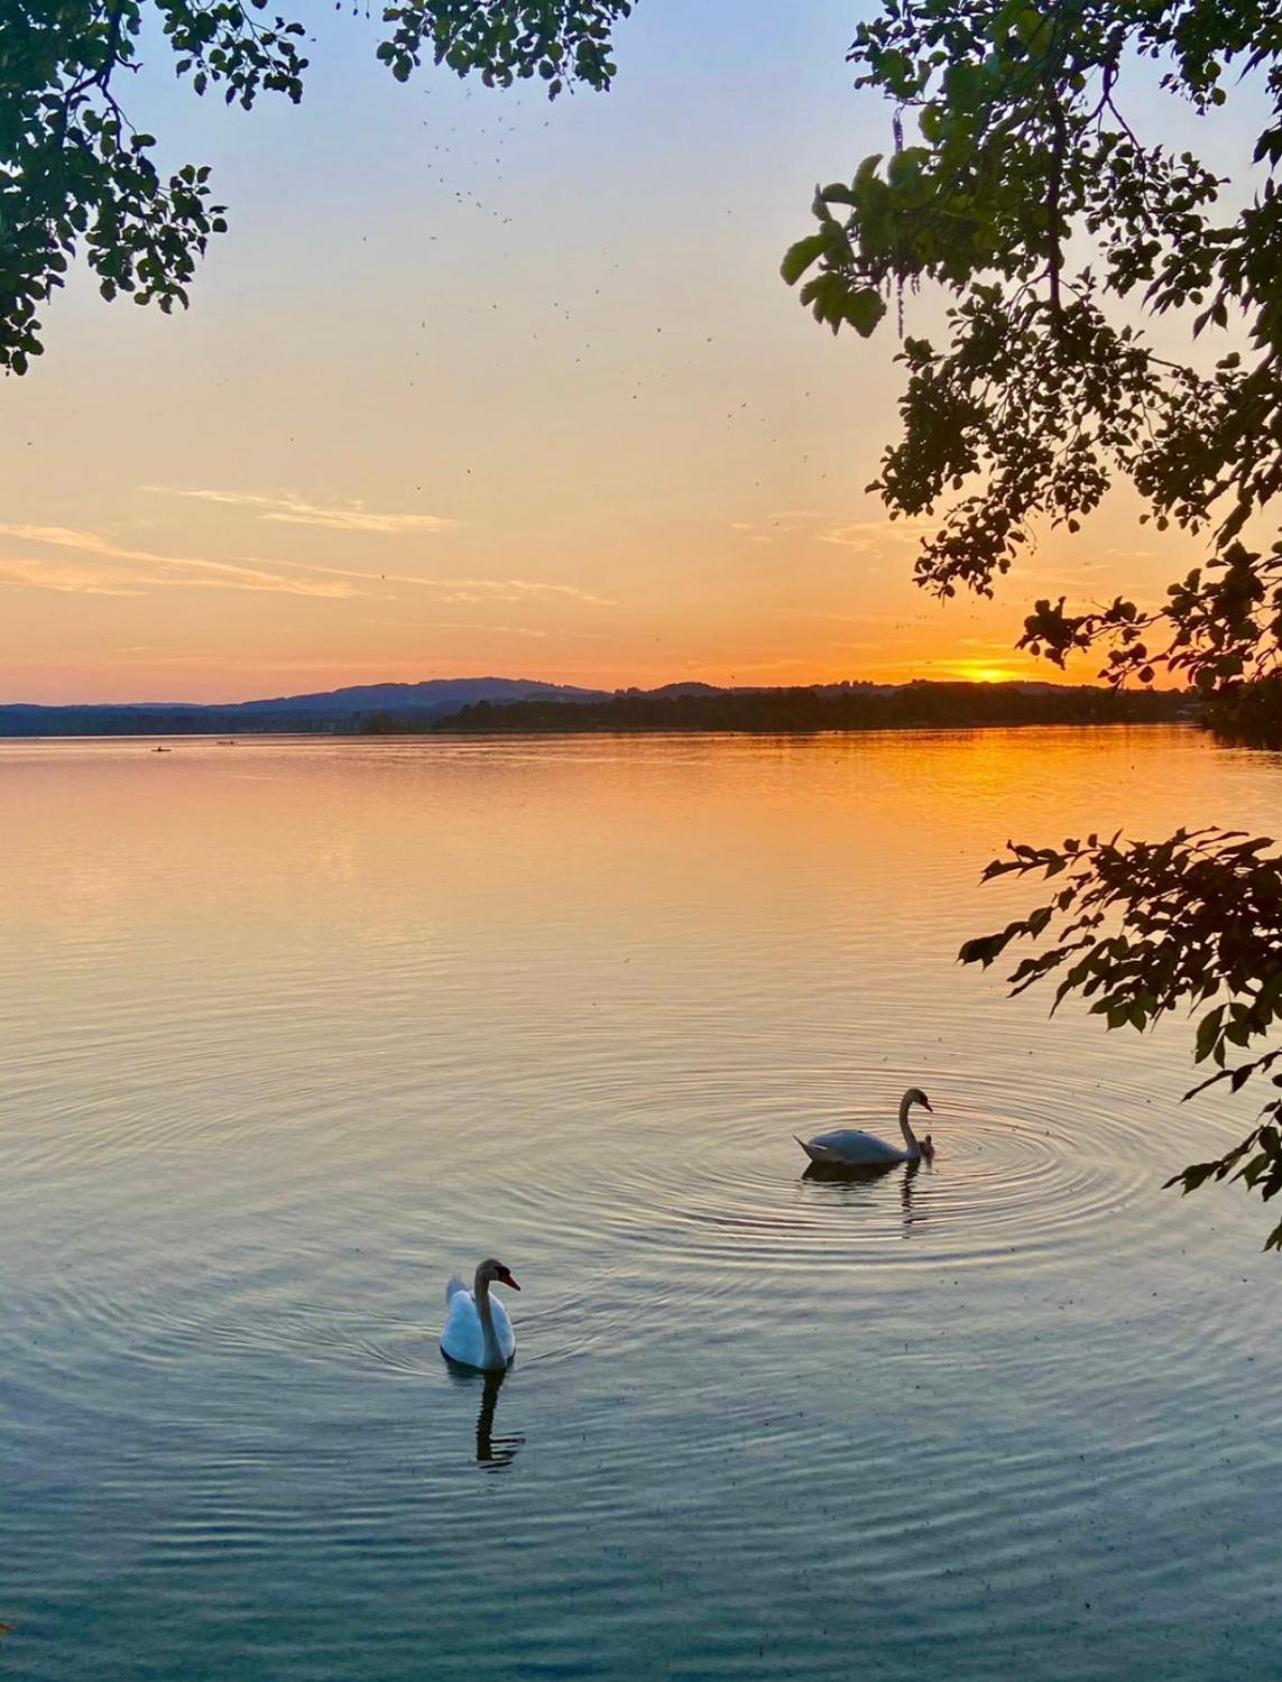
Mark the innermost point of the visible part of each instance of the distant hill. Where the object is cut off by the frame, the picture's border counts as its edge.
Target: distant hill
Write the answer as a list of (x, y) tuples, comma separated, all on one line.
[(526, 704), (440, 694), (669, 691), (334, 710)]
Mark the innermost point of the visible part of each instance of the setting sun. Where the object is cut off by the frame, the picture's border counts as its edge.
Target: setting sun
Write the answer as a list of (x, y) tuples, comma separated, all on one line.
[(976, 671)]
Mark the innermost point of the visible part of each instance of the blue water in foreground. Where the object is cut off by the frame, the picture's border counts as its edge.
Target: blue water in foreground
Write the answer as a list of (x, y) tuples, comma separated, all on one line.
[(290, 1031)]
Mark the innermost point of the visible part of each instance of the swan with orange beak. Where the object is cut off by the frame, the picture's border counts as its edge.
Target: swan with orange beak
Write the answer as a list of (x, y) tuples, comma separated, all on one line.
[(477, 1331)]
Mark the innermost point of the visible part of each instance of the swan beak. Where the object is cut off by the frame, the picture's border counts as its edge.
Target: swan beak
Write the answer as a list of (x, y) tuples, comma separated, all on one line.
[(926, 1102), (508, 1280)]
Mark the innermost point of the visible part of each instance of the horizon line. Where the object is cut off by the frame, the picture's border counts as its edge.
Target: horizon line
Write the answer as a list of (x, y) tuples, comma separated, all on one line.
[(587, 689)]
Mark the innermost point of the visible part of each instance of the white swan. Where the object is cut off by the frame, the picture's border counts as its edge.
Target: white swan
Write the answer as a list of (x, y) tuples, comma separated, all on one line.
[(477, 1331), (849, 1148)]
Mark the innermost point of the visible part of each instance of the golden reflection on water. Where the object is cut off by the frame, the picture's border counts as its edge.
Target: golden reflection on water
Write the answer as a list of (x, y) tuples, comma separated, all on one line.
[(384, 836), (291, 1030)]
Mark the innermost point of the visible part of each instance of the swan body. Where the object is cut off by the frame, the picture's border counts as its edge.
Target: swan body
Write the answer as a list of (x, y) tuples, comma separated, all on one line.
[(848, 1147), (477, 1330)]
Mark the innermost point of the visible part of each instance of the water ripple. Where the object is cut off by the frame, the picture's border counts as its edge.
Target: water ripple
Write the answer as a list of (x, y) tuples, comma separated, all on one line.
[(289, 1035)]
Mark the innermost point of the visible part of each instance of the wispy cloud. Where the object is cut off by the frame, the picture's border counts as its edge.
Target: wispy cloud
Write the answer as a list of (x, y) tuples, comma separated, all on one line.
[(293, 511), (511, 589), (67, 579), (863, 536), (459, 590), (493, 630), (786, 663), (898, 620), (866, 535), (145, 569)]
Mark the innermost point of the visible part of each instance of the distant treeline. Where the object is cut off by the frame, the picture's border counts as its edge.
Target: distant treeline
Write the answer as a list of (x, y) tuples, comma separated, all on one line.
[(164, 721), (942, 706), (845, 706), (206, 721)]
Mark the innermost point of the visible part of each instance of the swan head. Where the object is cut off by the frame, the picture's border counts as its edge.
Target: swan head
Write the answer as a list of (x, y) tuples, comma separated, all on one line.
[(915, 1095), (492, 1272)]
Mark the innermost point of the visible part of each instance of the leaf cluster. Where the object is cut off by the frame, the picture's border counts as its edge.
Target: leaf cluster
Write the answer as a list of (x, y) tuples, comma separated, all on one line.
[(1041, 398), (1060, 235), (1141, 929), (78, 180), (558, 41)]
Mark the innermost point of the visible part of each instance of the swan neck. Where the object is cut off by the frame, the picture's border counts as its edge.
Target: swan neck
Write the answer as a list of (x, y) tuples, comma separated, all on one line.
[(485, 1312), (905, 1127)]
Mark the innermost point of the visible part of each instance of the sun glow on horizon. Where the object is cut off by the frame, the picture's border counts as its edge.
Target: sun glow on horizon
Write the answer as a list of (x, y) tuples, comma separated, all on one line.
[(560, 448), (975, 671)]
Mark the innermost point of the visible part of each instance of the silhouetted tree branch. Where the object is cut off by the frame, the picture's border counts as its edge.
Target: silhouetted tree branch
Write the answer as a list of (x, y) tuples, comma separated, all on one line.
[(1048, 391), (78, 181)]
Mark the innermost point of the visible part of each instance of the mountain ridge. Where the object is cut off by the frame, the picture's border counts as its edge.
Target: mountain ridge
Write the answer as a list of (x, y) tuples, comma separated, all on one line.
[(518, 703), (321, 709)]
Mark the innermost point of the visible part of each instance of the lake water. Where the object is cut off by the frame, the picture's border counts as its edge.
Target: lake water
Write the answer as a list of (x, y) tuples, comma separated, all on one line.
[(291, 1030)]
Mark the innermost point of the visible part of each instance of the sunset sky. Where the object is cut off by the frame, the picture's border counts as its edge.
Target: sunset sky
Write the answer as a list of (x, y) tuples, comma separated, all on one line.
[(476, 384)]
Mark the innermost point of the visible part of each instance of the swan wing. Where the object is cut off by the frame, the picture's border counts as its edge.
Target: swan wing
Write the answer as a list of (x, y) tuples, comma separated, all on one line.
[(817, 1151), (463, 1338), (849, 1145), (453, 1288)]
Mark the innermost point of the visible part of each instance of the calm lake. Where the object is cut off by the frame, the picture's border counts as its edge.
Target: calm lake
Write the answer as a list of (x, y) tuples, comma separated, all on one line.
[(291, 1030)]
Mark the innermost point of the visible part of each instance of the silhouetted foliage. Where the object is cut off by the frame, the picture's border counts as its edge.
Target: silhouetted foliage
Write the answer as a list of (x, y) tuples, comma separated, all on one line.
[(161, 719), (1249, 713), (380, 723), (932, 706), (76, 177), (838, 706), (1048, 390), (1142, 928)]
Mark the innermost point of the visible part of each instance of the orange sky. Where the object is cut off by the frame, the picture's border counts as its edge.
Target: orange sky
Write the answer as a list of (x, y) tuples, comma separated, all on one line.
[(504, 388)]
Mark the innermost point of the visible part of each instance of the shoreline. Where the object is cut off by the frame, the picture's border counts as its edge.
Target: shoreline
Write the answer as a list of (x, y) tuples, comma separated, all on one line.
[(509, 734)]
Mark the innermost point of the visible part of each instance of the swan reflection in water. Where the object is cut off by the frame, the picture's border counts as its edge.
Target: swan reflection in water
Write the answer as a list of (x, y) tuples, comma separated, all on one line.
[(492, 1452), (859, 1182)]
